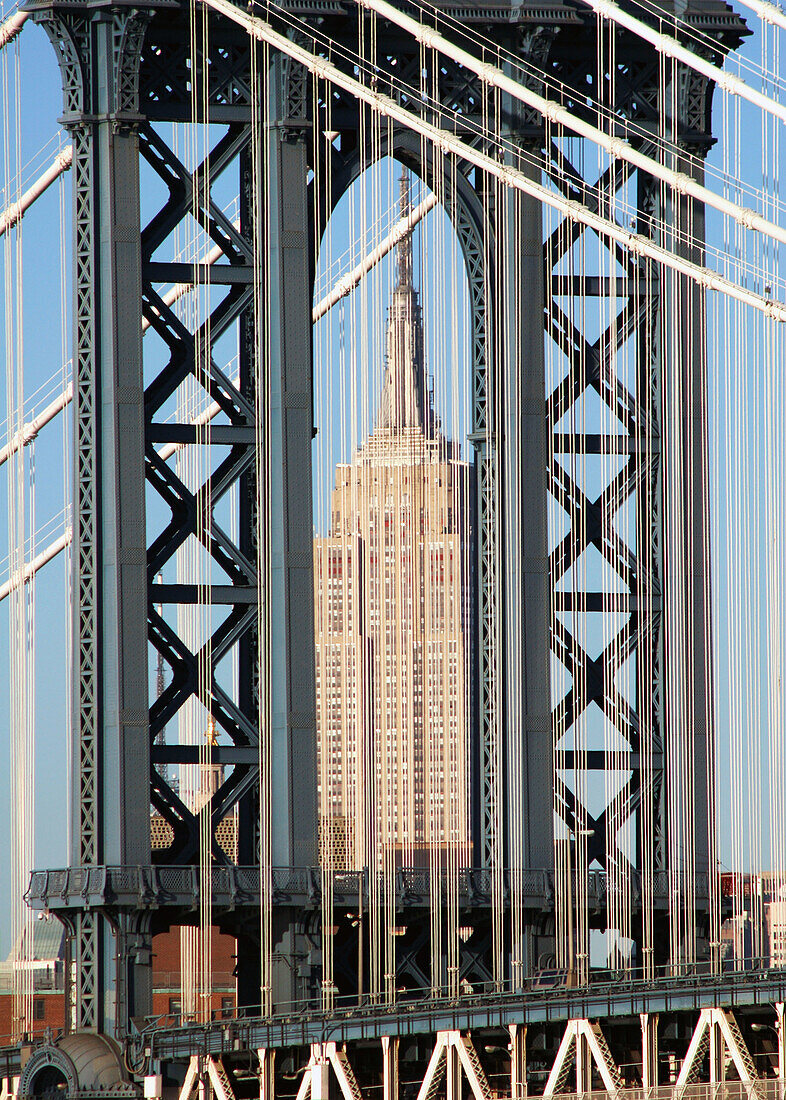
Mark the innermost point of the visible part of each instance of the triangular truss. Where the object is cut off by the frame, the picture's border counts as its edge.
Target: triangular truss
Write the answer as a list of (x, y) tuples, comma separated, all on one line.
[(584, 1040), (718, 1031), (453, 1053), (315, 1083), (206, 1071)]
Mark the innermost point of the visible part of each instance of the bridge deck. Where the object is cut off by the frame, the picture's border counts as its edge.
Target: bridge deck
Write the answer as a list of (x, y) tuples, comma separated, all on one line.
[(601, 1000)]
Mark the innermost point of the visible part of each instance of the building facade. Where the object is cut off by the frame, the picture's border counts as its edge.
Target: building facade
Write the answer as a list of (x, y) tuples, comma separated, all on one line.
[(392, 624)]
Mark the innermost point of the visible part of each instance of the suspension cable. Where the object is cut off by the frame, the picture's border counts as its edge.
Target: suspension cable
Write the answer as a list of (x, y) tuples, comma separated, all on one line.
[(13, 213), (12, 27), (671, 47), (525, 71), (508, 175), (766, 12), (616, 147)]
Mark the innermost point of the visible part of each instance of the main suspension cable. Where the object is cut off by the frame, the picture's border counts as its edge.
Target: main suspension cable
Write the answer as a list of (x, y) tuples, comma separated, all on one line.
[(507, 174), (615, 146)]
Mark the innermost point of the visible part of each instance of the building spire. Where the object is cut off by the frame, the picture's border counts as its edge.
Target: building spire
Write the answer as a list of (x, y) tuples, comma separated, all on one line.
[(404, 249), (404, 402)]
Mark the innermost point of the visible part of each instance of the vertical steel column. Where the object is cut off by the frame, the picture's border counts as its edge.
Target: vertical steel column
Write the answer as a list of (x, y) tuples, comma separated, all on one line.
[(389, 1068), (453, 1081), (518, 1061), (524, 493), (267, 1076), (293, 701), (684, 382), (320, 1079), (649, 1050), (523, 552), (647, 611), (583, 1063), (514, 695), (248, 951), (717, 1053), (98, 50)]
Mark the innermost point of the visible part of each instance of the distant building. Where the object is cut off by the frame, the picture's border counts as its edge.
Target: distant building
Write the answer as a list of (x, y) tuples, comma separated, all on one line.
[(39, 949), (391, 624), (48, 962), (756, 935), (776, 932)]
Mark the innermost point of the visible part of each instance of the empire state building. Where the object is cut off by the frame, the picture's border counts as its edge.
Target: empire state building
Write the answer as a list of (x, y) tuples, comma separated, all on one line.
[(391, 611)]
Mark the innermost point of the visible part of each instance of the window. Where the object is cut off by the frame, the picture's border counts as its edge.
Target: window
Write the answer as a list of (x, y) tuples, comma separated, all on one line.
[(39, 1008)]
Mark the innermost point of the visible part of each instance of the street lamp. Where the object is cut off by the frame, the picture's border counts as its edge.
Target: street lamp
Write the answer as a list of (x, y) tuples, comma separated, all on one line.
[(776, 1030)]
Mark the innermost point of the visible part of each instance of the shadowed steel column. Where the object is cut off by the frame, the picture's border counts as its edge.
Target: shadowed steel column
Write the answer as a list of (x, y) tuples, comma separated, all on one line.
[(292, 702)]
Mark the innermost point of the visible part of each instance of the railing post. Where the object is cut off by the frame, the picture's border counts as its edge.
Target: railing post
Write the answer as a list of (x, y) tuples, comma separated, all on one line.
[(779, 1014)]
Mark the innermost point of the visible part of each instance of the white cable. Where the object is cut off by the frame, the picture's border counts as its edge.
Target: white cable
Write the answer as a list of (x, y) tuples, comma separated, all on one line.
[(13, 213), (669, 46), (524, 71), (614, 146), (769, 13), (695, 38), (46, 392), (511, 177), (32, 567), (506, 150), (33, 427), (349, 281), (12, 27)]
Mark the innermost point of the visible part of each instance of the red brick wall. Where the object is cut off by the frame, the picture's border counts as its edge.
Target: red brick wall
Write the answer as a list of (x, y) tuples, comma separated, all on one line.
[(49, 1003), (166, 986), (166, 960)]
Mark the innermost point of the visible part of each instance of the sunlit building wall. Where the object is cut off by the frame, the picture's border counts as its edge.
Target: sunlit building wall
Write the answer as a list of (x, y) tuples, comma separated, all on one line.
[(392, 609)]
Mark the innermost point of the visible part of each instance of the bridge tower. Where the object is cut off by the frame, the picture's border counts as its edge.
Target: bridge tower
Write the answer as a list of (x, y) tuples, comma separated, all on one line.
[(127, 70)]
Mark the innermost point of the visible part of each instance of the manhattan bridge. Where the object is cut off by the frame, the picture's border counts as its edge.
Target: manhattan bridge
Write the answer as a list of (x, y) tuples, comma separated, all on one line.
[(425, 523)]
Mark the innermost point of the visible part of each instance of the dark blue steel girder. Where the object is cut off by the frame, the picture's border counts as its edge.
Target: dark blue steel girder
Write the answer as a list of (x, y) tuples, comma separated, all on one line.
[(619, 998)]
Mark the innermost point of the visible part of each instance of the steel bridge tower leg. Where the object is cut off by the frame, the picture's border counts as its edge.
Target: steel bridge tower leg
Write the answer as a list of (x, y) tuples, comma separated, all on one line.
[(267, 1082), (518, 1061), (389, 1068), (689, 218), (98, 50), (526, 719), (292, 693), (649, 1050), (516, 789)]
